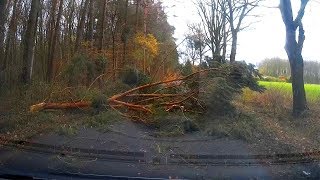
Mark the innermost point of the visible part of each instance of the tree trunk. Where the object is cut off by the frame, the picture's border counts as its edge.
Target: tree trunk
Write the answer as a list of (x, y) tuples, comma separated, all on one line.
[(299, 95), (297, 67), (224, 46), (81, 25), (137, 15), (234, 47), (101, 24), (114, 65), (90, 22), (3, 4), (294, 50), (70, 22), (11, 35), (29, 42), (52, 50), (50, 32), (125, 33)]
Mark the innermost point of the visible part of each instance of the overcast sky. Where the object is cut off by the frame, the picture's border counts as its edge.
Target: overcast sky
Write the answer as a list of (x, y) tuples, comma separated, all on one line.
[(264, 39)]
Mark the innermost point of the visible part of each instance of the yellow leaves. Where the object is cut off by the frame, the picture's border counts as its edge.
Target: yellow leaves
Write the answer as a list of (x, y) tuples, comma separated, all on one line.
[(149, 42)]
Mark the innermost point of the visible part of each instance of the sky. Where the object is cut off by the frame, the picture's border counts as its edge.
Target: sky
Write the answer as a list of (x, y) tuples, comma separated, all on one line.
[(265, 38)]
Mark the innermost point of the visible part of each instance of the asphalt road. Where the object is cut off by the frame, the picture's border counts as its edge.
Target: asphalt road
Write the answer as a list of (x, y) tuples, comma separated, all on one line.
[(129, 151)]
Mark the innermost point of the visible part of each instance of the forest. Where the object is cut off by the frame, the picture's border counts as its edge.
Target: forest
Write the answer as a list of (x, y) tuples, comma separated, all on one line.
[(276, 67), (42, 40), (98, 63)]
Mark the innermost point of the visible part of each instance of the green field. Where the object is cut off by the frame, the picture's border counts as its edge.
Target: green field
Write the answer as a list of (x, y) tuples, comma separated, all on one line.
[(312, 90)]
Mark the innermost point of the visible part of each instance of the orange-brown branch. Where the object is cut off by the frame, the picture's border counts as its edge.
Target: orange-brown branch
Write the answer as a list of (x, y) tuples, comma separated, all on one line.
[(75, 105)]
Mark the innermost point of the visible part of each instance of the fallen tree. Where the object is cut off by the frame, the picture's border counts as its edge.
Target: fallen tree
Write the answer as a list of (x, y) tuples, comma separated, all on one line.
[(182, 93), (73, 105)]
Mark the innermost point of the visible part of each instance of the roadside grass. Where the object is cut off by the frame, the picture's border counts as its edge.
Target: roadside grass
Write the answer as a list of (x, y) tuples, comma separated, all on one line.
[(272, 113), (264, 120), (241, 126), (174, 124), (16, 122), (103, 120)]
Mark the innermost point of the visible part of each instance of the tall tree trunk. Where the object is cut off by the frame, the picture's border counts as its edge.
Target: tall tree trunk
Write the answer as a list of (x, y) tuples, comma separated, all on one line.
[(114, 63), (294, 50), (137, 15), (50, 36), (224, 45), (3, 4), (41, 44), (145, 14), (125, 32), (90, 22), (11, 35), (29, 42), (101, 24), (81, 24), (70, 25), (234, 47), (10, 49), (52, 50), (297, 68)]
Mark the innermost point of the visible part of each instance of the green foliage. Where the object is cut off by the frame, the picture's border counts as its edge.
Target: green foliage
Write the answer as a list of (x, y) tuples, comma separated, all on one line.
[(37, 92), (173, 124), (68, 130), (238, 127), (220, 89), (104, 119), (213, 62), (78, 69), (186, 69), (82, 69), (130, 76), (134, 77), (100, 103), (85, 94), (218, 95), (115, 88), (240, 75), (100, 64)]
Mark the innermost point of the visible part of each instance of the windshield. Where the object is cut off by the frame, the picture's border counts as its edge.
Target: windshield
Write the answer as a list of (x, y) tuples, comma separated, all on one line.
[(167, 89)]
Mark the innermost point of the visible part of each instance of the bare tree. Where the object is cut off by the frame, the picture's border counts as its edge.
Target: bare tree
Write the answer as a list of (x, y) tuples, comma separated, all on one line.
[(236, 11), (293, 48), (195, 43), (29, 43), (214, 25)]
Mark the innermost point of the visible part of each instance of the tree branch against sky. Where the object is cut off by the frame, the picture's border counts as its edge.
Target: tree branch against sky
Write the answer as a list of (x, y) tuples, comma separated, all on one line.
[(215, 26), (251, 38), (236, 12)]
